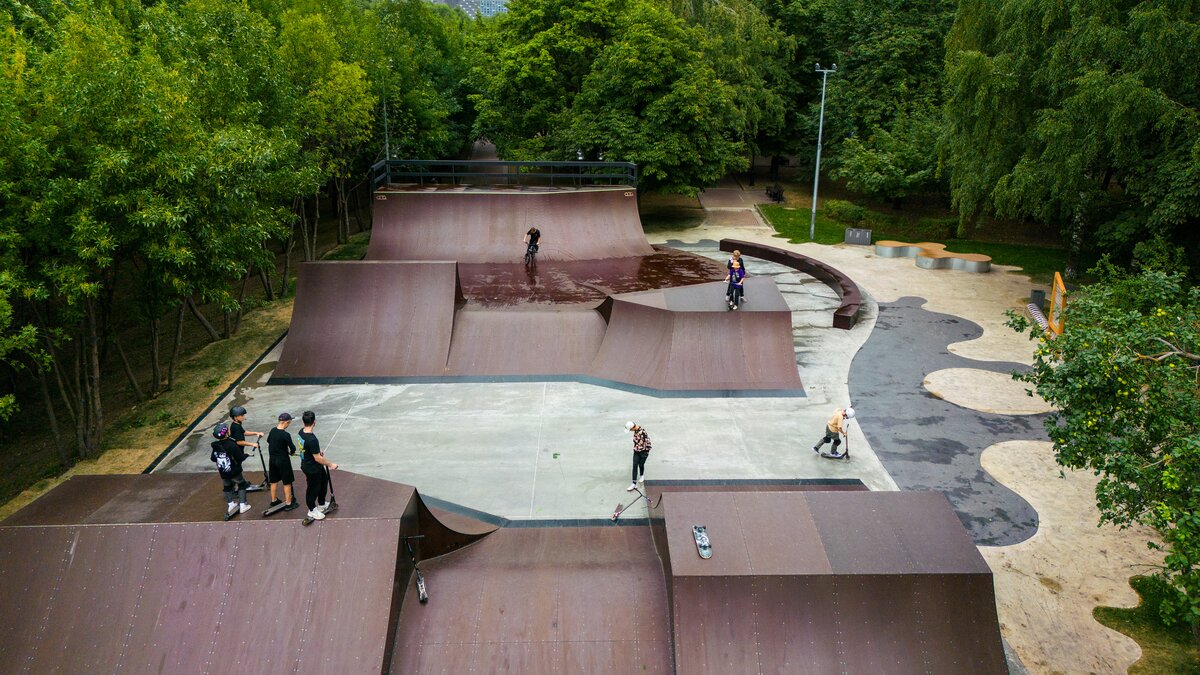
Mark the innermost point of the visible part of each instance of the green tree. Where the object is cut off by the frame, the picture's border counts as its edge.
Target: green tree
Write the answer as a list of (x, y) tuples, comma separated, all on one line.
[(882, 114), (622, 78), (1081, 115), (1124, 378)]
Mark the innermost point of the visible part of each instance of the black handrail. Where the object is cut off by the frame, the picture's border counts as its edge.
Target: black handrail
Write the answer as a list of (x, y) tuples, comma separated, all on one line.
[(460, 172)]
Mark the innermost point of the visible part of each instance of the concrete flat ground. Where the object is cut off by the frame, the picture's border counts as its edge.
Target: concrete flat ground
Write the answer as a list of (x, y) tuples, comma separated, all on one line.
[(552, 450)]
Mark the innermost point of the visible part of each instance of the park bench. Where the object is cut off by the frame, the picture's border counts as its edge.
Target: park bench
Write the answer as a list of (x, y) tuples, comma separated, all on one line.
[(931, 256)]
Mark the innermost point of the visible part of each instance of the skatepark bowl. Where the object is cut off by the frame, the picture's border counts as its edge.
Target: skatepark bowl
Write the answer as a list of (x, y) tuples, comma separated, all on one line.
[(137, 574), (444, 296)]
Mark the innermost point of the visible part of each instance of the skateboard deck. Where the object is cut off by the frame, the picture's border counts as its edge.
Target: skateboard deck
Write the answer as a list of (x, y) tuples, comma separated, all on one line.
[(700, 533)]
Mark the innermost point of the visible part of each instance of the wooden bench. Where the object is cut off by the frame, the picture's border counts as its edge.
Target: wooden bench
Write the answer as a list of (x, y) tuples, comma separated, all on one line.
[(845, 315), (932, 256)]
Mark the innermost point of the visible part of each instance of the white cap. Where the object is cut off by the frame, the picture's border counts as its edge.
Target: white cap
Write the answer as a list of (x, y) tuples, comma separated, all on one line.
[(629, 426), (849, 413)]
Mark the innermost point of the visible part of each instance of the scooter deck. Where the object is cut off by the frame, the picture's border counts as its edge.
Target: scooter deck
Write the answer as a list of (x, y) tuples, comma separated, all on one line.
[(277, 508)]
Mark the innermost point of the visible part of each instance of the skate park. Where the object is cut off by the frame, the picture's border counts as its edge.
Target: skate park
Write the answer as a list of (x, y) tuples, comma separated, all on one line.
[(502, 444)]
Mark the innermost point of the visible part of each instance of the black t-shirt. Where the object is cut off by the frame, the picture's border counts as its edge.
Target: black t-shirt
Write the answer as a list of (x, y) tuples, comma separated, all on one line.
[(236, 432), (227, 447), (279, 443), (311, 447), (534, 235)]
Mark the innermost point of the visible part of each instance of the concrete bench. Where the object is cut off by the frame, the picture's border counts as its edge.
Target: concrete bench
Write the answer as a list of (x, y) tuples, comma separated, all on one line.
[(845, 315), (932, 256)]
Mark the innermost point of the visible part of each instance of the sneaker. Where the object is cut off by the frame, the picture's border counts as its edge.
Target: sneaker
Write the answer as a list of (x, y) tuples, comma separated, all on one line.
[(641, 479), (631, 488), (276, 502), (735, 306), (243, 508), (817, 449), (316, 515), (291, 507), (323, 508), (232, 508)]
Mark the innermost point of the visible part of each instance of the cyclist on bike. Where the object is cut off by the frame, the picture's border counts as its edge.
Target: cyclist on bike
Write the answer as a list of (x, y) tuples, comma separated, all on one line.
[(531, 240)]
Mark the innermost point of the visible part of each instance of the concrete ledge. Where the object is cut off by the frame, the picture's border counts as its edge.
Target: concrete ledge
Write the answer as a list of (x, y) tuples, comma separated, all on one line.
[(932, 256), (845, 315)]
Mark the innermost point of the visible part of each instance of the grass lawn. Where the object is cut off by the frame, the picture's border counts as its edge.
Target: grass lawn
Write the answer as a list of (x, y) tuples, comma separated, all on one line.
[(1165, 649), (1038, 262)]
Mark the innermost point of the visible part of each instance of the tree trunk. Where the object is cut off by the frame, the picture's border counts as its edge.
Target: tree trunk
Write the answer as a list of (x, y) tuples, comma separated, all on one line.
[(133, 384), (208, 327), (358, 208), (315, 224), (155, 358), (237, 316), (56, 365), (95, 410), (264, 275), (303, 231), (287, 263), (1075, 239), (226, 325), (175, 347), (63, 455), (80, 403)]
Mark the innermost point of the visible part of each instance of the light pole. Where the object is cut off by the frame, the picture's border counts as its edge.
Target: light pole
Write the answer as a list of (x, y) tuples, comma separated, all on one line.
[(812, 224)]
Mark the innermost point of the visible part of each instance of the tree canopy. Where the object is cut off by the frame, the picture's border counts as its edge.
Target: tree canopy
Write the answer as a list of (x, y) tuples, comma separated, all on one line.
[(1078, 114), (1124, 378)]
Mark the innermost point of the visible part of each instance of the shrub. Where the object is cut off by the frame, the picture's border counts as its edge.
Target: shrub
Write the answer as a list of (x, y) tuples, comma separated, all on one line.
[(844, 211)]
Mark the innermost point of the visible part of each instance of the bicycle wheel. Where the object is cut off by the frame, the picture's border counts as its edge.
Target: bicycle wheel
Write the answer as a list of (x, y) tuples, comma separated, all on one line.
[(528, 258)]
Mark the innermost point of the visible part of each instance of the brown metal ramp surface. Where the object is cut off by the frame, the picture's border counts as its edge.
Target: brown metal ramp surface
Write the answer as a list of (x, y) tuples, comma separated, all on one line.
[(260, 597), (488, 226), (524, 342), (687, 339), (826, 582), (370, 319), (541, 600)]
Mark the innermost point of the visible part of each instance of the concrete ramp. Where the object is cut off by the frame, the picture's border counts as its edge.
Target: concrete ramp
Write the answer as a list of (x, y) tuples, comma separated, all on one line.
[(488, 226), (826, 582), (370, 319), (687, 339)]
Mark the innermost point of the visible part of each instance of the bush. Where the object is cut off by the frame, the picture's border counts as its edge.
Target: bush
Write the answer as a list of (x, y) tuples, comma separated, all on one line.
[(844, 211)]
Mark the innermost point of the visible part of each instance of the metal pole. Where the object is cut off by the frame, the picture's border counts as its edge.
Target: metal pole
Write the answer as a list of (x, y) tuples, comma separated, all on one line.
[(812, 223)]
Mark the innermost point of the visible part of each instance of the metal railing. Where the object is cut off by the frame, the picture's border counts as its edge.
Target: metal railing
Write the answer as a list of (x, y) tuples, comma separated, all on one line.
[(494, 172)]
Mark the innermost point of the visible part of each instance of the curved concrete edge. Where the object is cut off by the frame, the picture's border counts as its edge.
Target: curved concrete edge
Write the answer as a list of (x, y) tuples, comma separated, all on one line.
[(845, 315), (1047, 585), (984, 391)]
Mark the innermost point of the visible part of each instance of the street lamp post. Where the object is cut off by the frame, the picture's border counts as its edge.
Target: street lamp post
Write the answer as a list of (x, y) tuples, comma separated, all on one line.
[(812, 224)]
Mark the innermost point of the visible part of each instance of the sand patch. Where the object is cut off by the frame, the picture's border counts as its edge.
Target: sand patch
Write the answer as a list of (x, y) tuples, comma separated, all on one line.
[(1047, 585)]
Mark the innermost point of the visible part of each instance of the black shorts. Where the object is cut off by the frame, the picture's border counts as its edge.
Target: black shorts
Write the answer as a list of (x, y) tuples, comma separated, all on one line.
[(279, 470)]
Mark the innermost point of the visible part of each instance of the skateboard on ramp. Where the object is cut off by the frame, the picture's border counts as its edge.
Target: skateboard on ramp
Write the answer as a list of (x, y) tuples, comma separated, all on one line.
[(700, 534)]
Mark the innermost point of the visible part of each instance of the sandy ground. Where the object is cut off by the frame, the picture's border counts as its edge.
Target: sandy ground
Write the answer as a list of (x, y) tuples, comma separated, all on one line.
[(985, 391), (1047, 585)]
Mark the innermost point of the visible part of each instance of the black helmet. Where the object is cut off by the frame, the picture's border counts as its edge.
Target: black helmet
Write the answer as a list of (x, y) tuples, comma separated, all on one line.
[(237, 411), (221, 430)]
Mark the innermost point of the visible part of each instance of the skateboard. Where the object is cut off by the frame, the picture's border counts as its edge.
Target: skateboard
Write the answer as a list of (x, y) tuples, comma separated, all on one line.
[(700, 533), (838, 455)]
